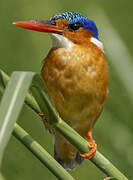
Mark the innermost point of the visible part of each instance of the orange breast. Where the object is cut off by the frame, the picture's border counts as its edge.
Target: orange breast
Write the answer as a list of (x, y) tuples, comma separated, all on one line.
[(77, 80)]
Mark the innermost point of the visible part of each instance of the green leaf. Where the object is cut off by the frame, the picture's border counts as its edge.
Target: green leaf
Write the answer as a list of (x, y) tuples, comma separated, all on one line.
[(11, 105), (44, 100)]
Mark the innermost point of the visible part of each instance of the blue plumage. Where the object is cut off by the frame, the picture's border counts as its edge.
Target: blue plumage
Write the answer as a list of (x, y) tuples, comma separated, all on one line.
[(74, 17), (78, 160)]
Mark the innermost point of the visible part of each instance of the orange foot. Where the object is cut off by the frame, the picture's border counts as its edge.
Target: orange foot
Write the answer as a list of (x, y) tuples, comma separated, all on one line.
[(43, 117), (92, 146)]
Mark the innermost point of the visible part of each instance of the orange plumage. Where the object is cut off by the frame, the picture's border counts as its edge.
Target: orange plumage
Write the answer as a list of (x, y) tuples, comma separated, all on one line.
[(77, 81)]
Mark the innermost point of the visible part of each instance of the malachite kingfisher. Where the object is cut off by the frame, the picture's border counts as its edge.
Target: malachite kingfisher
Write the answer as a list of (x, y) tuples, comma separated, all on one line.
[(76, 75)]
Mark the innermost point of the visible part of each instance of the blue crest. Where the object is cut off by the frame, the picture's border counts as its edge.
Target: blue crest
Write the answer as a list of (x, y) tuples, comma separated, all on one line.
[(73, 17)]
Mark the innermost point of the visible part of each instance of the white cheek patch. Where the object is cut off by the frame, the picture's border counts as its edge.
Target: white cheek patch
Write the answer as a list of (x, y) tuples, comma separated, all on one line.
[(61, 41), (97, 43)]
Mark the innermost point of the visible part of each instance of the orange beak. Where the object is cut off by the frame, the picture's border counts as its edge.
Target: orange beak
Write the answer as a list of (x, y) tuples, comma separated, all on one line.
[(42, 26)]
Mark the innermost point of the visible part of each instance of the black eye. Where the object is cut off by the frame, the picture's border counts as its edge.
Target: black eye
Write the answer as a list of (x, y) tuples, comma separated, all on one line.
[(74, 27)]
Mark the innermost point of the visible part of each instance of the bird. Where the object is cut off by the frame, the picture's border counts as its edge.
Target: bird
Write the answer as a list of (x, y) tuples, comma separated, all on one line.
[(75, 72)]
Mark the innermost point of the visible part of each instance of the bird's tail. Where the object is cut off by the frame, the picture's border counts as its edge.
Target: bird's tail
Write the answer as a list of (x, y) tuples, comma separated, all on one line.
[(66, 154)]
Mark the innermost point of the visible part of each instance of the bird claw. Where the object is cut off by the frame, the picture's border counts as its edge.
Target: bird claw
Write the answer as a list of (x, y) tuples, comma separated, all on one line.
[(43, 117), (92, 145)]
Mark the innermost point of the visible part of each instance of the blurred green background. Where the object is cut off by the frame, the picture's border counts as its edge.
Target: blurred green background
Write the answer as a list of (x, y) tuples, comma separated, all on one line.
[(24, 50)]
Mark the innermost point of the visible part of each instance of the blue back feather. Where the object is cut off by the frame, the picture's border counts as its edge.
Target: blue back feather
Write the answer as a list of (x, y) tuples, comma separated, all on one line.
[(74, 17)]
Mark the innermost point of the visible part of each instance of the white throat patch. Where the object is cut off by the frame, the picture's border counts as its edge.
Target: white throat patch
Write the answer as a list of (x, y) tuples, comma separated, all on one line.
[(61, 41), (97, 43)]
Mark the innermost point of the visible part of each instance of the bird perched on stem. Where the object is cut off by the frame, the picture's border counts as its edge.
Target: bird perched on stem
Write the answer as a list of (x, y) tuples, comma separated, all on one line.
[(76, 75)]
